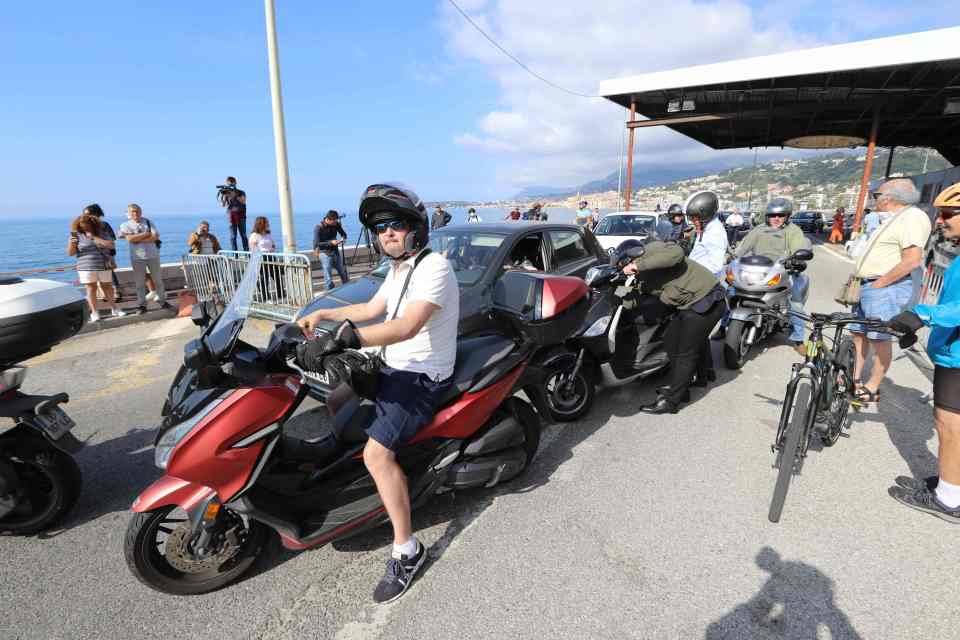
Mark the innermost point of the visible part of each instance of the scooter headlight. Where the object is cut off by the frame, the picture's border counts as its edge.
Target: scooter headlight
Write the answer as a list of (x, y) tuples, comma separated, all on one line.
[(598, 328), (169, 440)]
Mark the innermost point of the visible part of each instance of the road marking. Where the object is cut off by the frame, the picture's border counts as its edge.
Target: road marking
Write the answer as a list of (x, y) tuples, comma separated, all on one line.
[(835, 254)]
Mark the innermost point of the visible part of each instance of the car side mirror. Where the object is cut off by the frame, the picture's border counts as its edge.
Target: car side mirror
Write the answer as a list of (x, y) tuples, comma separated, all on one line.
[(802, 254)]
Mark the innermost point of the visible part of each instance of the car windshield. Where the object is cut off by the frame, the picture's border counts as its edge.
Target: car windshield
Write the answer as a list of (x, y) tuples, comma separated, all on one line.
[(469, 253), (625, 225)]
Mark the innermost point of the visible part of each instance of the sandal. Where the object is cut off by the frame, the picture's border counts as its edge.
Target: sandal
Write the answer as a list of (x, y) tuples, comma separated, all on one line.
[(863, 395)]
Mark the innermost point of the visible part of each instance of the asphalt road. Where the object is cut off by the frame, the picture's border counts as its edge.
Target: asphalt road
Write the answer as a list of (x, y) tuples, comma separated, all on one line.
[(627, 526)]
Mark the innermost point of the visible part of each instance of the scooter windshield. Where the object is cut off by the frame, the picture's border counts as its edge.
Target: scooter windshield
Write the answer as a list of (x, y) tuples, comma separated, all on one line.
[(227, 328)]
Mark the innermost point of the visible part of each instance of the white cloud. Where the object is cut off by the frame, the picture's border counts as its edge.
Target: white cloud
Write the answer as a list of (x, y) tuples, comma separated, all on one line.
[(540, 135)]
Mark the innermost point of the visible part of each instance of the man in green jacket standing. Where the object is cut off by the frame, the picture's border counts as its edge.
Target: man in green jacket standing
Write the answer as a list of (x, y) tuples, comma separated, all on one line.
[(687, 288)]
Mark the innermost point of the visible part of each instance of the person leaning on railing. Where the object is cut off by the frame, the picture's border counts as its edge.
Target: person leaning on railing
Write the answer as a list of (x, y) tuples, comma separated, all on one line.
[(940, 495)]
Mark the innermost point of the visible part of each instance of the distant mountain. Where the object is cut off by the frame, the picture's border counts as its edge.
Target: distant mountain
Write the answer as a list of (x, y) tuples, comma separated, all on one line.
[(838, 168)]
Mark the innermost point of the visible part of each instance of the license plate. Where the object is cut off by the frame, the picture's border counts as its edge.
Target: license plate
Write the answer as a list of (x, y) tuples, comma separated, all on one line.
[(55, 423)]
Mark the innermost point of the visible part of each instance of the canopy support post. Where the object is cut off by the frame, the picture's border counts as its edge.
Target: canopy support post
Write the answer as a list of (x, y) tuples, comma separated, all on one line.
[(867, 170), (629, 191)]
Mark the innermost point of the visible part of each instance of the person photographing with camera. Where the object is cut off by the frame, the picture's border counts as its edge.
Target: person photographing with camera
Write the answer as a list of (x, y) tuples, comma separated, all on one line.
[(418, 348), (234, 201), (326, 246)]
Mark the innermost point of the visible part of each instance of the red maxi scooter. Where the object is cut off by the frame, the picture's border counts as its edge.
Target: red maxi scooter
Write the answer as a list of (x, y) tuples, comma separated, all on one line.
[(232, 473)]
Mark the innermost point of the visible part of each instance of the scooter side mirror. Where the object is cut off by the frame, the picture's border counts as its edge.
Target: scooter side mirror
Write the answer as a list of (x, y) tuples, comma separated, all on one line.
[(599, 275), (802, 254)]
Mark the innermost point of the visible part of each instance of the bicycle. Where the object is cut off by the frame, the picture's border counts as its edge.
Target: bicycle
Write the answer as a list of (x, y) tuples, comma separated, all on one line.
[(818, 397)]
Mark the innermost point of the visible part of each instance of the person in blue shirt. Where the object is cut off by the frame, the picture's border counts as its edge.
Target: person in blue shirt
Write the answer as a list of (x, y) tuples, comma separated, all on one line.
[(710, 248), (940, 495)]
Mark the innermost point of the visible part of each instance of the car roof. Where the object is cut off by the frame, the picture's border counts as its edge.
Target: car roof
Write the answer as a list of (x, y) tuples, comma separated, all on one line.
[(511, 228)]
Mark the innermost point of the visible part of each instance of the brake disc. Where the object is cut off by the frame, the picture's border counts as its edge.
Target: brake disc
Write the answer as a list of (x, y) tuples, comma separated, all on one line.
[(182, 559)]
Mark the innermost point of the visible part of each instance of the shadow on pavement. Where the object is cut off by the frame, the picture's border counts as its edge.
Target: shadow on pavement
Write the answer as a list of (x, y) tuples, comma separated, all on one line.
[(796, 601), (908, 418)]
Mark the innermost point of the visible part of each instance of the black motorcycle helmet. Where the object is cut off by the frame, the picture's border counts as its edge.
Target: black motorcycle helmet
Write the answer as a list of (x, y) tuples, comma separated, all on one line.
[(383, 202), (626, 252), (779, 206), (675, 210), (703, 205)]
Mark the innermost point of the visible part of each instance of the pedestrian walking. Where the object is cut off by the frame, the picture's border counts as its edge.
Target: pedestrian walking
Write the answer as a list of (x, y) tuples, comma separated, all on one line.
[(884, 270), (109, 234), (202, 242), (326, 246), (144, 240), (940, 495), (234, 200), (472, 217), (91, 248), (836, 231)]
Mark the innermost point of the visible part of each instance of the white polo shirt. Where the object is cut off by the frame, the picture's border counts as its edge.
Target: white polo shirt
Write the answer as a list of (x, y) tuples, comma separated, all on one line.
[(433, 350)]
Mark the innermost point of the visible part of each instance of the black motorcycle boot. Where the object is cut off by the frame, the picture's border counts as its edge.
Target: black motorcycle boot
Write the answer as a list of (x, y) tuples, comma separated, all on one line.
[(662, 405)]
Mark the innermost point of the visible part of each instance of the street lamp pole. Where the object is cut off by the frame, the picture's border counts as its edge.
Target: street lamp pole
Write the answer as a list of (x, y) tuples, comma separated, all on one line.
[(279, 131)]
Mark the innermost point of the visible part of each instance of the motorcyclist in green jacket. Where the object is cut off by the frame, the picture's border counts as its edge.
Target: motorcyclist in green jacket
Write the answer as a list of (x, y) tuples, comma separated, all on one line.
[(779, 239), (685, 287)]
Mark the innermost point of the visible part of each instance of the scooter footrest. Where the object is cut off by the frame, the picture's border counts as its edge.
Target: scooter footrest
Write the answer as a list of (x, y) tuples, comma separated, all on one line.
[(486, 471)]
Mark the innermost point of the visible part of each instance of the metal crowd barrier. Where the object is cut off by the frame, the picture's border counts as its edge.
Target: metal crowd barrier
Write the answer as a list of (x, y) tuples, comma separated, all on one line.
[(209, 277), (284, 284)]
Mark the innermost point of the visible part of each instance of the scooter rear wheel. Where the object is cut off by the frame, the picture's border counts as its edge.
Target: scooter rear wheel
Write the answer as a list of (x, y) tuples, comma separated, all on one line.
[(49, 482), (155, 549)]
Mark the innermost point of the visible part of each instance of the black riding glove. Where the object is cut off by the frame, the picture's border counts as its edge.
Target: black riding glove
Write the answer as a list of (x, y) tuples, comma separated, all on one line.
[(310, 354), (905, 322)]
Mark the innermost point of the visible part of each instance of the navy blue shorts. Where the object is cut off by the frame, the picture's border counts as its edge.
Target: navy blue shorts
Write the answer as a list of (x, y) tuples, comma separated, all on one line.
[(406, 402)]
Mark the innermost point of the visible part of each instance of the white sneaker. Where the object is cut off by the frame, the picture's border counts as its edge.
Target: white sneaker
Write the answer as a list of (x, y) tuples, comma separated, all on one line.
[(152, 296), (94, 317), (119, 313)]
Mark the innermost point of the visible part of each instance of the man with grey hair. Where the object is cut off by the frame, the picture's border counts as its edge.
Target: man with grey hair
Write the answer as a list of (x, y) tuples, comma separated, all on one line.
[(894, 251)]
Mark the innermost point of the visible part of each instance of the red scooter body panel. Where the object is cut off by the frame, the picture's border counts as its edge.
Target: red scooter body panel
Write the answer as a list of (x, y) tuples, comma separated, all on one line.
[(169, 490), (205, 456), (462, 418)]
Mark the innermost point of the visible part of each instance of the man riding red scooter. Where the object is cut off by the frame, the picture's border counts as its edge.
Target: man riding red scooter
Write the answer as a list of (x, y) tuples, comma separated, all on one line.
[(418, 347)]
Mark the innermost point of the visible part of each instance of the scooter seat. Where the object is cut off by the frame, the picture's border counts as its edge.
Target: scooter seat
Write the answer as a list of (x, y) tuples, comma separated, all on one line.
[(475, 356)]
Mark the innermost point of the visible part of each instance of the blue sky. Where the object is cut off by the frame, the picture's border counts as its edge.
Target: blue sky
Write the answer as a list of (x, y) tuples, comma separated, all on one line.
[(157, 102)]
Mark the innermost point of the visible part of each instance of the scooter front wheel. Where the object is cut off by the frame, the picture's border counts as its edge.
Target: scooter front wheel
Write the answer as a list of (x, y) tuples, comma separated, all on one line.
[(157, 551), (569, 397), (735, 345)]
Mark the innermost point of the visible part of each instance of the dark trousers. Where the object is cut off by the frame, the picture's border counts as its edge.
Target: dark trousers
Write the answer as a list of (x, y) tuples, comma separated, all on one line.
[(687, 342), (241, 226)]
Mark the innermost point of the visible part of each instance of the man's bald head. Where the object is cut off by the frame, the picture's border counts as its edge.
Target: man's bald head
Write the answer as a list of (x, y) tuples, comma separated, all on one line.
[(901, 191)]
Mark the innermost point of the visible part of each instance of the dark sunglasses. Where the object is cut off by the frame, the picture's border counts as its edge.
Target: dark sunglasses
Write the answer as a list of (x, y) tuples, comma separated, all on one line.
[(876, 195), (777, 215), (946, 214), (396, 225)]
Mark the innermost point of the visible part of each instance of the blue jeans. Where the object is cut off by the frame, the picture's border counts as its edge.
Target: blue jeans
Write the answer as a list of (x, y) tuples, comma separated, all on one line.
[(328, 261), (241, 226), (882, 304)]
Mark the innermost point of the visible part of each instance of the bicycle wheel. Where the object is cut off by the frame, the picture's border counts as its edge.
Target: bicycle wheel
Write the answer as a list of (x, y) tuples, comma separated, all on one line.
[(840, 385), (792, 450)]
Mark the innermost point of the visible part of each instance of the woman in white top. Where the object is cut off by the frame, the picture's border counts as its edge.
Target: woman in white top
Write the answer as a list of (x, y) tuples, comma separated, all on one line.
[(262, 241)]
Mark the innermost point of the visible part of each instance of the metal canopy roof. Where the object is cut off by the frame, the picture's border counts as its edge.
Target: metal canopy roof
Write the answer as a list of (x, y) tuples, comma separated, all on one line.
[(912, 81)]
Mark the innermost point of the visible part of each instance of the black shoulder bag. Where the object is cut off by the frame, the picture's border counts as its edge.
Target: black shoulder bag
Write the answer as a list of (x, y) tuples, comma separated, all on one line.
[(364, 375)]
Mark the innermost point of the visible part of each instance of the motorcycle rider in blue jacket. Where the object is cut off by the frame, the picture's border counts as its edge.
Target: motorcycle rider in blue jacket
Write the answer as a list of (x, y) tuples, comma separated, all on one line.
[(940, 495)]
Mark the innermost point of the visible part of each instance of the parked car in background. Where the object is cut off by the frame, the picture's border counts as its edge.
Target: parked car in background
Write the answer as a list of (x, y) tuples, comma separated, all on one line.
[(616, 227), (481, 253), (809, 221)]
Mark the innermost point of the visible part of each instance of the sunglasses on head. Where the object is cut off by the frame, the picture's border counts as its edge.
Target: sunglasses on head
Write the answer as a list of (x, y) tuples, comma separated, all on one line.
[(396, 225)]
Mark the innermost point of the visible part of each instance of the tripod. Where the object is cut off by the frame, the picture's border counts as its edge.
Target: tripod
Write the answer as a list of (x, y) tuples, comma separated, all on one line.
[(372, 254)]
